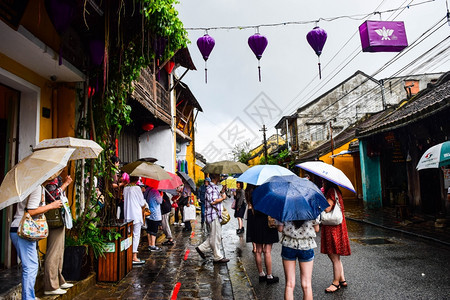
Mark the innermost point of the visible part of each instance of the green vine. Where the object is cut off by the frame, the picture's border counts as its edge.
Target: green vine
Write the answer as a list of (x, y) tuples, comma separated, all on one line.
[(128, 38)]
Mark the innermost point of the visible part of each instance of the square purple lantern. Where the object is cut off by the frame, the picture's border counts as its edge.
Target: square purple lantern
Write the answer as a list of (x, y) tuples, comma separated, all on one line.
[(383, 36)]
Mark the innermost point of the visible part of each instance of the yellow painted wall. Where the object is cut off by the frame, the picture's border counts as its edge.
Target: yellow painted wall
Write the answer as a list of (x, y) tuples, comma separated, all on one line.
[(65, 112), (344, 163)]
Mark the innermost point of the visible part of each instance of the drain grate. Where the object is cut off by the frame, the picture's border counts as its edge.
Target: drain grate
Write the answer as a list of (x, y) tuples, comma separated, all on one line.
[(373, 241)]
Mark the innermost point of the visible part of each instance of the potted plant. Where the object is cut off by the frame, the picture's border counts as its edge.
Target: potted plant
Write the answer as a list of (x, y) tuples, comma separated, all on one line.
[(106, 111)]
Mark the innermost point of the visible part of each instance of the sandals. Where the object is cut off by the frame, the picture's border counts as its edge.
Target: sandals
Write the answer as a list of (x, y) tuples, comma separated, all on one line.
[(337, 286), (343, 284), (168, 243)]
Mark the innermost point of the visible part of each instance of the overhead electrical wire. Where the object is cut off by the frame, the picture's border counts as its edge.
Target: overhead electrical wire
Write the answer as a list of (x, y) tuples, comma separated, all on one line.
[(388, 63), (306, 98), (377, 91), (399, 55), (357, 17), (320, 85)]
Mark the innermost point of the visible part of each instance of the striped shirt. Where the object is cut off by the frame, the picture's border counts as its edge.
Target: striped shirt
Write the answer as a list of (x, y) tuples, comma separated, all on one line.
[(212, 194)]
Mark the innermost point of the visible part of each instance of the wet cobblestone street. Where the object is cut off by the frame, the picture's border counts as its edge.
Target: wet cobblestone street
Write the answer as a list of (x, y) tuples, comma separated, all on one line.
[(176, 269)]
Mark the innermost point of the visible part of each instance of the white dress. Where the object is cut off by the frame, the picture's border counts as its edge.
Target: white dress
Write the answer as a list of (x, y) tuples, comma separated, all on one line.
[(133, 203)]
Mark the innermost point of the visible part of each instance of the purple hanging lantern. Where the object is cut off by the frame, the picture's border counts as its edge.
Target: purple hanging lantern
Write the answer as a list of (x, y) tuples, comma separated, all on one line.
[(316, 39), (205, 44), (61, 13), (258, 44), (159, 46), (97, 50)]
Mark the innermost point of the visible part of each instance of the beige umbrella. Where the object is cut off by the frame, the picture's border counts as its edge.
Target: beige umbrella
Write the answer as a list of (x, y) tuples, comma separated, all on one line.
[(83, 148), (146, 169), (225, 167), (31, 172)]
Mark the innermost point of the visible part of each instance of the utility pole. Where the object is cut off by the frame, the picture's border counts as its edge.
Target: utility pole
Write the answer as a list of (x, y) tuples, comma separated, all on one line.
[(264, 129)]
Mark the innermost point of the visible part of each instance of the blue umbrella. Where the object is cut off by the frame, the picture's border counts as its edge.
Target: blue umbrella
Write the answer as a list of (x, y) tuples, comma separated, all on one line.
[(288, 198), (258, 174)]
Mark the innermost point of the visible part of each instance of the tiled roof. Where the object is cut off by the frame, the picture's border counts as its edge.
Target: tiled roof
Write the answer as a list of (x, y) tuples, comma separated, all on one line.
[(425, 104), (343, 137)]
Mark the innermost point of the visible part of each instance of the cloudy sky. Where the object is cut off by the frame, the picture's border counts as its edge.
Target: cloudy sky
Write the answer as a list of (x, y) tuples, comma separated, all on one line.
[(236, 105)]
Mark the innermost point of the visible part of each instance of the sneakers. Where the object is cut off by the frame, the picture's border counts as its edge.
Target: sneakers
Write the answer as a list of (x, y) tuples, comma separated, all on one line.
[(274, 279), (138, 262), (56, 292), (200, 253), (154, 248), (66, 285)]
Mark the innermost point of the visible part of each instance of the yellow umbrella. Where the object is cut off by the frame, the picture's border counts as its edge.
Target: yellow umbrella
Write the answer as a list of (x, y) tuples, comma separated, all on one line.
[(83, 148), (31, 172), (146, 169), (230, 182)]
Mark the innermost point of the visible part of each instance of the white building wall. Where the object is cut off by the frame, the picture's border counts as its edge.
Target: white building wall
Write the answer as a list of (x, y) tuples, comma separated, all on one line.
[(158, 143)]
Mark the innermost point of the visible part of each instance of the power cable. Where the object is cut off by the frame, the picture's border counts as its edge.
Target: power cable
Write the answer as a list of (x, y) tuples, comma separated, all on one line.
[(353, 17)]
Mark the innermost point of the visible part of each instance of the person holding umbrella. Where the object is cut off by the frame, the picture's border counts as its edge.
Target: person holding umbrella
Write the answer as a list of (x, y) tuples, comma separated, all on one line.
[(262, 237), (213, 206), (54, 282), (134, 201), (334, 239)]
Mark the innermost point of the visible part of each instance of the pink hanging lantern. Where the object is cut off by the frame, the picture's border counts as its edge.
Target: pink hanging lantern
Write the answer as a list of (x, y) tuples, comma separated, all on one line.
[(258, 44), (205, 44), (316, 39)]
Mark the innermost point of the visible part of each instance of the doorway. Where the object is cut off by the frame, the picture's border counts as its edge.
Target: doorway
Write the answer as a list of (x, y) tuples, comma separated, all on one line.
[(9, 111)]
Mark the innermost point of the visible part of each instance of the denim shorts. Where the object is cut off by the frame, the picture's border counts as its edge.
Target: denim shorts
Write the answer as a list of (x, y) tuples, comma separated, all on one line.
[(293, 254)]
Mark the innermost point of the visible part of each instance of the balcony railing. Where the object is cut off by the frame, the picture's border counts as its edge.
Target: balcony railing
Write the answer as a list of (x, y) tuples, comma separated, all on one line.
[(144, 92)]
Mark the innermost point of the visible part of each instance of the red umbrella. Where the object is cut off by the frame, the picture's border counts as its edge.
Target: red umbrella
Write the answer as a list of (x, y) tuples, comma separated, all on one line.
[(165, 184)]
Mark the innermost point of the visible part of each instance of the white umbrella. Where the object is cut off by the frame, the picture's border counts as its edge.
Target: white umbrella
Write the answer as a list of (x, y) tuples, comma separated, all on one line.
[(83, 148), (329, 172), (258, 174), (31, 172), (435, 157)]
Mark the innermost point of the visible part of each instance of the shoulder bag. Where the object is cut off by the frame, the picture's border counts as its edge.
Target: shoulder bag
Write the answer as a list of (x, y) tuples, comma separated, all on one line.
[(333, 217), (32, 229), (225, 215), (54, 216)]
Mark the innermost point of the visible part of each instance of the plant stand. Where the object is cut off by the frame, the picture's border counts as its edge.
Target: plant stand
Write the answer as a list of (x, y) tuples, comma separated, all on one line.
[(117, 260)]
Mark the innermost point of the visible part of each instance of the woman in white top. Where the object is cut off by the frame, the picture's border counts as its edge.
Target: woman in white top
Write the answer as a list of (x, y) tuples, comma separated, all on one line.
[(26, 250), (298, 243), (133, 202)]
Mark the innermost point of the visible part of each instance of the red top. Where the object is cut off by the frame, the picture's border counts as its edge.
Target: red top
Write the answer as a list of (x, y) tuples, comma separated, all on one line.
[(334, 239)]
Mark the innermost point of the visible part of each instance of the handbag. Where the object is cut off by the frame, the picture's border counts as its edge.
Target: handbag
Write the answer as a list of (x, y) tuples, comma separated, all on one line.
[(32, 229), (233, 205), (225, 216), (333, 217), (271, 222), (54, 216), (145, 212)]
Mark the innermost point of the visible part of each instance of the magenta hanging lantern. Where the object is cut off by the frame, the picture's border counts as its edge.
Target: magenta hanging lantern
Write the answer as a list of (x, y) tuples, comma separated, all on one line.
[(383, 36), (205, 44), (316, 39), (258, 44)]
